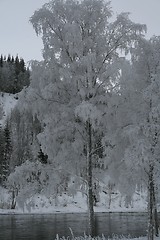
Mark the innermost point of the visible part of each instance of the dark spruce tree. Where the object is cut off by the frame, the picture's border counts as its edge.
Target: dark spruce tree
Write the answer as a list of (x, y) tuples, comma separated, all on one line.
[(12, 60), (1, 154), (1, 61), (9, 59), (7, 152), (42, 157)]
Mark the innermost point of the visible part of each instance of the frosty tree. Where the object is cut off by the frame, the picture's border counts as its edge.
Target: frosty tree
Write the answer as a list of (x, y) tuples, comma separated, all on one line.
[(70, 87), (147, 55), (139, 130)]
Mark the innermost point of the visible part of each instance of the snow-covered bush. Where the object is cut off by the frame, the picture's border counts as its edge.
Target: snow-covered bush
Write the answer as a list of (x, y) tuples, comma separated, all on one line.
[(33, 178), (25, 181), (4, 199)]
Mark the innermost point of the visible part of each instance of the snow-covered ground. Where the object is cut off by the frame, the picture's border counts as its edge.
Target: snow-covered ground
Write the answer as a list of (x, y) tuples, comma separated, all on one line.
[(103, 238), (70, 204), (7, 103)]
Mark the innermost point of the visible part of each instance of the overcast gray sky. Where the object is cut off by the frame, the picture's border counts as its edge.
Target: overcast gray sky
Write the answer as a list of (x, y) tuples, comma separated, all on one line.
[(18, 37)]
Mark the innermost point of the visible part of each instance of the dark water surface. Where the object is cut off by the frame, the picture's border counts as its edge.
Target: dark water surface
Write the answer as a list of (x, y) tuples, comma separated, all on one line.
[(46, 226)]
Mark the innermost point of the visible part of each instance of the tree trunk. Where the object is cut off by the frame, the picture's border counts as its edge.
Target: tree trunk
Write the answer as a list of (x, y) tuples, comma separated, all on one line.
[(156, 222), (13, 204), (89, 180), (109, 196), (150, 205)]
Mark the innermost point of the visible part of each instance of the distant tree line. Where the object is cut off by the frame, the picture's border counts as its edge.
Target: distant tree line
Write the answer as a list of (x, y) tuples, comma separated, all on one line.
[(13, 74)]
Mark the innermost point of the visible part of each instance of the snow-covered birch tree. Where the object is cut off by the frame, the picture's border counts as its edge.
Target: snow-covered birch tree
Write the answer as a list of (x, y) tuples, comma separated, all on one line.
[(147, 63), (69, 88), (139, 130)]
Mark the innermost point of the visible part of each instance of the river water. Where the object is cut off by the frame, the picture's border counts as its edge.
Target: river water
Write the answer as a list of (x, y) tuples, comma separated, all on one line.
[(46, 226)]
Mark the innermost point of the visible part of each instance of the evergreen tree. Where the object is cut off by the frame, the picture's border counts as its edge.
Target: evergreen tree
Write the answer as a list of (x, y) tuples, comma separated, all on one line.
[(42, 157), (17, 66), (1, 154), (7, 151), (22, 65), (1, 61), (12, 60), (9, 58)]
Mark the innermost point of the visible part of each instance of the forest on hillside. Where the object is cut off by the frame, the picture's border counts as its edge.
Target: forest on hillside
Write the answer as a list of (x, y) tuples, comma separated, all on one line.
[(14, 75), (89, 112)]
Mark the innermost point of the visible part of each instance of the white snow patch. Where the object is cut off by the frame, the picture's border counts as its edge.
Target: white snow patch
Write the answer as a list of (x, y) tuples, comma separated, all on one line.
[(7, 103)]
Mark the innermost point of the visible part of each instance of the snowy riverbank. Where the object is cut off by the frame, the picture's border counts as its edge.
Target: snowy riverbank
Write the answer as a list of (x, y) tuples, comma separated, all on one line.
[(40, 204), (103, 238)]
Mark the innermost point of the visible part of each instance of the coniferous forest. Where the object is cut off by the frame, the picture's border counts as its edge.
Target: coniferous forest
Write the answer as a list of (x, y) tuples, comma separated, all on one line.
[(87, 118), (13, 74)]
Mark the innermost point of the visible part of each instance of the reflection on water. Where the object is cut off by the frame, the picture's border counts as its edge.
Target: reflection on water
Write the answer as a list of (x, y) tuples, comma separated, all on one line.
[(46, 226)]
